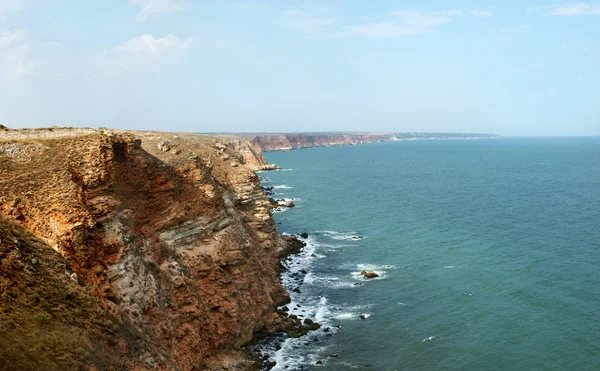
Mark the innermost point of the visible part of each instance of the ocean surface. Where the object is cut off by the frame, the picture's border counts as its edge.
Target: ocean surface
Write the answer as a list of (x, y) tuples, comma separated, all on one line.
[(488, 255)]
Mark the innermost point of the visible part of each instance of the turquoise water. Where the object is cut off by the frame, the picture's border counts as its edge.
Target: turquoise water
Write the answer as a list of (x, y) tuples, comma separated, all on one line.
[(488, 253)]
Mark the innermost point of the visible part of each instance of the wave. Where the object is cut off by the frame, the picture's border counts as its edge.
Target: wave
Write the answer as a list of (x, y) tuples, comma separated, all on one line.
[(282, 186), (343, 236), (372, 267)]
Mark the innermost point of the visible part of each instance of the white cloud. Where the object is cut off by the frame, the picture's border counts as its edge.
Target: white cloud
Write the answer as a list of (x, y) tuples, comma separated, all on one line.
[(576, 10), (483, 13), (304, 21), (249, 5), (380, 30), (154, 8), (149, 45), (13, 5), (15, 54), (420, 22), (406, 23), (401, 23), (509, 33)]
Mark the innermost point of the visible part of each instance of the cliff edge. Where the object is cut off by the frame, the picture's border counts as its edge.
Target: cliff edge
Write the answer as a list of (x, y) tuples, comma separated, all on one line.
[(286, 142), (145, 249)]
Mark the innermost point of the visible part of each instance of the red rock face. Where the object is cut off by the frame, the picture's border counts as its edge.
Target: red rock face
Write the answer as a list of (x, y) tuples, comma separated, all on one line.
[(285, 142), (177, 237)]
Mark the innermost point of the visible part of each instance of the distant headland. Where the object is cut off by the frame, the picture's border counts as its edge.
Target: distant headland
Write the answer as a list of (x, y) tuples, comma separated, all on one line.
[(289, 141)]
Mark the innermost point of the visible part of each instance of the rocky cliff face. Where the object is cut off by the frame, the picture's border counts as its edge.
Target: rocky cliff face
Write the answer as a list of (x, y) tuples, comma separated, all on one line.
[(286, 142), (171, 235)]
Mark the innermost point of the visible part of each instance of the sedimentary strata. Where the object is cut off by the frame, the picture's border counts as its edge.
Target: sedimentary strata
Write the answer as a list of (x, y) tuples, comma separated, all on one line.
[(154, 250)]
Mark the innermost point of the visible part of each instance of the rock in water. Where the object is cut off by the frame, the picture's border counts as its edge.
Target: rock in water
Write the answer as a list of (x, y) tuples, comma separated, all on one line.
[(304, 235), (289, 204), (369, 274)]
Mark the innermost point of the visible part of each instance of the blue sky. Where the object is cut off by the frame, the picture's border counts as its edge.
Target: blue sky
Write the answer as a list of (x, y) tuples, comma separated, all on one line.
[(507, 67)]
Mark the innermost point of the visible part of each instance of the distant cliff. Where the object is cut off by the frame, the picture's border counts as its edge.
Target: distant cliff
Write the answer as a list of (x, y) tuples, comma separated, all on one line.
[(286, 142)]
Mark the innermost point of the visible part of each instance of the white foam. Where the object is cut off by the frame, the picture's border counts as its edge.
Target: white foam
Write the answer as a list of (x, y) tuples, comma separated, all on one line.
[(299, 272), (322, 311), (348, 238), (282, 186), (429, 338), (343, 236), (449, 267), (347, 315), (372, 267), (309, 278)]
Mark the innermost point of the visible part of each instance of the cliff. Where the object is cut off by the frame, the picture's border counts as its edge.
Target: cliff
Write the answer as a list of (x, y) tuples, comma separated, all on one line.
[(145, 249), (286, 142)]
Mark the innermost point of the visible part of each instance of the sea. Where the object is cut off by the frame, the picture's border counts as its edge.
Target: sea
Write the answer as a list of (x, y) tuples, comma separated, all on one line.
[(487, 254)]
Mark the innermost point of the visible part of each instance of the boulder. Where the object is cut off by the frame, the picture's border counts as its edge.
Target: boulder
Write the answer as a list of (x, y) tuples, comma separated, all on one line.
[(304, 235), (293, 334), (314, 326), (369, 274), (289, 204), (164, 146)]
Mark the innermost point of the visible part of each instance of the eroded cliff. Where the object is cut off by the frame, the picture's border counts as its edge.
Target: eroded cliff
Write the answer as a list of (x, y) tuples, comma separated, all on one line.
[(170, 233), (286, 142)]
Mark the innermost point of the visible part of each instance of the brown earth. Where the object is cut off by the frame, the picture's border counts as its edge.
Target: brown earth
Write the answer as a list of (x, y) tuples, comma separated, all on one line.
[(152, 250)]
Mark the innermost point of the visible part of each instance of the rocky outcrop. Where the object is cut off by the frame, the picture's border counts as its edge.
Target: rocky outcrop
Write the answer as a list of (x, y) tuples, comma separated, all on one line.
[(49, 321), (366, 274), (171, 234), (286, 142)]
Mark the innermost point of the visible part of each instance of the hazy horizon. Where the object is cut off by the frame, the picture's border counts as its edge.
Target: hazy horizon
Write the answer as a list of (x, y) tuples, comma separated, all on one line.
[(507, 67)]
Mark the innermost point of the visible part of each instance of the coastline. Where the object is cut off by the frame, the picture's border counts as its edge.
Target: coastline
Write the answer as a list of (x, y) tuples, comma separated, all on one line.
[(291, 141), (170, 233)]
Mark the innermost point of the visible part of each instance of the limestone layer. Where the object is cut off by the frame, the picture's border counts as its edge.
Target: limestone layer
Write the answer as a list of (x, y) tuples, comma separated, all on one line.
[(151, 250)]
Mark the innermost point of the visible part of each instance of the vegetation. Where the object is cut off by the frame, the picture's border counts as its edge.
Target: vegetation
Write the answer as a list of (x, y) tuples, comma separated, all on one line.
[(48, 321)]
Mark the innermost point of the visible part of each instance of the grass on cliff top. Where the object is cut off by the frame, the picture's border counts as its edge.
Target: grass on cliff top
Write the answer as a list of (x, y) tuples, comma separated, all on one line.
[(47, 321)]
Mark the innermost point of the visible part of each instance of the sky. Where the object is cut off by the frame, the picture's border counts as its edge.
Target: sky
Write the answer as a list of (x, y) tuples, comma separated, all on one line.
[(510, 67)]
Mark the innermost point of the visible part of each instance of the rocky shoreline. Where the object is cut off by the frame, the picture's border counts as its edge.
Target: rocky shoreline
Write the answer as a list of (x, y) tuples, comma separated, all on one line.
[(169, 236)]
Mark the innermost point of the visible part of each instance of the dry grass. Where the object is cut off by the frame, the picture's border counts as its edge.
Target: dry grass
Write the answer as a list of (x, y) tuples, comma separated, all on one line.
[(47, 321)]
